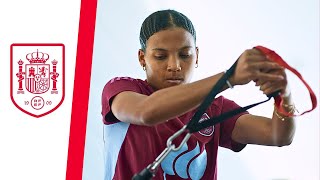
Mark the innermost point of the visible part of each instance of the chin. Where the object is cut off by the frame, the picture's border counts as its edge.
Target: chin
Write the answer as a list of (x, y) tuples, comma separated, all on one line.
[(170, 84)]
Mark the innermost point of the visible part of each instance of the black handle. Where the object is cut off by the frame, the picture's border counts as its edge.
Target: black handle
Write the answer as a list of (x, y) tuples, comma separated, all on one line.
[(145, 174), (274, 94)]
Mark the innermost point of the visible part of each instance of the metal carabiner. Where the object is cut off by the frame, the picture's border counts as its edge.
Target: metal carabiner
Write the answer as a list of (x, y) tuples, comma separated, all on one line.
[(175, 135), (150, 171), (170, 147)]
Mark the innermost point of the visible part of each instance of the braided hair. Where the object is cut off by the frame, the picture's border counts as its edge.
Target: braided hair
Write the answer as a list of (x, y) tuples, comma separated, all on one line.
[(162, 20)]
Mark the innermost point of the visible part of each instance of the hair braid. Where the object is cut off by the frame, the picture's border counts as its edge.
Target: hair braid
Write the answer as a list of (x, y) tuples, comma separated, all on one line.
[(161, 20)]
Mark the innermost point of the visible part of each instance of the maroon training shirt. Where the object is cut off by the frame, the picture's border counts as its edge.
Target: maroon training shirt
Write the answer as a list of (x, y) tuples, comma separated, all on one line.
[(130, 148)]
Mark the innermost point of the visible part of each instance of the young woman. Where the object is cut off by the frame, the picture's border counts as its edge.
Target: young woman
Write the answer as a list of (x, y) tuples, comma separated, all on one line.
[(140, 115)]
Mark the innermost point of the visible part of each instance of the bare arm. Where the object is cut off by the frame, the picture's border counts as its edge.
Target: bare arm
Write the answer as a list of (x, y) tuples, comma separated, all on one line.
[(250, 129), (171, 102), (163, 104)]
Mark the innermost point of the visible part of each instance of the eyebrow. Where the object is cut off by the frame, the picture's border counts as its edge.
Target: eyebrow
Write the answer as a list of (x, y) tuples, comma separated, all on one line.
[(161, 49)]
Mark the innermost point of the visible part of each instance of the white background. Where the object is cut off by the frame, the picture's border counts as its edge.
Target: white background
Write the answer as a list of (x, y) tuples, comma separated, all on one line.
[(36, 148), (224, 30)]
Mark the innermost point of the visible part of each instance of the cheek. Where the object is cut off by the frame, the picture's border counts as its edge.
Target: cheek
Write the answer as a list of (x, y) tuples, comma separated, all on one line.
[(188, 71), (189, 65), (189, 74), (154, 70)]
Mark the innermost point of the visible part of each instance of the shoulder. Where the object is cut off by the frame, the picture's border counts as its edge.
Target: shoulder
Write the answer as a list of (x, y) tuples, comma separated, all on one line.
[(117, 80), (114, 87), (220, 102), (120, 84), (123, 82), (224, 104)]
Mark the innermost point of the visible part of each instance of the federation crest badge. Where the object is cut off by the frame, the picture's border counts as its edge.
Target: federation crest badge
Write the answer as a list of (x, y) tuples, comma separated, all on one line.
[(206, 131), (37, 77)]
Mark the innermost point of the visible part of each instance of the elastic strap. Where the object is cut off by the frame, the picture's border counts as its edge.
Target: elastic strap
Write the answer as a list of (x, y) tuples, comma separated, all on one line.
[(224, 116), (210, 97), (278, 99)]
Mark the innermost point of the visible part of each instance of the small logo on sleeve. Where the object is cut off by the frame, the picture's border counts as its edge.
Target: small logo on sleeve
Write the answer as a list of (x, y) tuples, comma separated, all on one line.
[(206, 131), (37, 77)]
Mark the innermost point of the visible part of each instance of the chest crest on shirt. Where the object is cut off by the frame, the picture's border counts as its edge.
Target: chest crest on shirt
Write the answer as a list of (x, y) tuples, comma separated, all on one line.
[(209, 130)]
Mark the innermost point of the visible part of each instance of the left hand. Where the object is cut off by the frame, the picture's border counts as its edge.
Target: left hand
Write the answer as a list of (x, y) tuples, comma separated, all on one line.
[(268, 87)]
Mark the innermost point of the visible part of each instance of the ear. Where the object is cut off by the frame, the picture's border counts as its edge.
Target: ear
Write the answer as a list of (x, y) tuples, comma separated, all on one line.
[(141, 55), (197, 52)]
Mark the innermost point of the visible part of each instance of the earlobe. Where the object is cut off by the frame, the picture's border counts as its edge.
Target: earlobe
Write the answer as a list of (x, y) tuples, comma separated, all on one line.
[(197, 52), (141, 58)]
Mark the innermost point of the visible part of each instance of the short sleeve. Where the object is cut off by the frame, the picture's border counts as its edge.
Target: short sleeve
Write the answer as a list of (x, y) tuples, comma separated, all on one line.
[(227, 126), (110, 90)]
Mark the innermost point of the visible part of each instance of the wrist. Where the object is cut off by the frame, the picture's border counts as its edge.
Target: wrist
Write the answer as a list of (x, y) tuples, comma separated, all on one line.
[(232, 81), (289, 109), (229, 82), (286, 93), (286, 96)]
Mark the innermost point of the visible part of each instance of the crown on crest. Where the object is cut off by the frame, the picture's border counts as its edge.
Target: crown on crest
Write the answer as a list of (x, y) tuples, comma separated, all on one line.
[(37, 57), (20, 62), (54, 62)]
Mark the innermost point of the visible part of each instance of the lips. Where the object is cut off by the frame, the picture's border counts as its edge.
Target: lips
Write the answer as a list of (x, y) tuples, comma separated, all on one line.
[(174, 80)]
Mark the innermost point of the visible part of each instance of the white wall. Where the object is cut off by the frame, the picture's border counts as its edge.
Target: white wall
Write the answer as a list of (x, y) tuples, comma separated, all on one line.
[(224, 30)]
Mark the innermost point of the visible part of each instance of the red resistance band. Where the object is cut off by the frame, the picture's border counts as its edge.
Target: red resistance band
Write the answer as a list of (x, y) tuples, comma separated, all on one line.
[(278, 99)]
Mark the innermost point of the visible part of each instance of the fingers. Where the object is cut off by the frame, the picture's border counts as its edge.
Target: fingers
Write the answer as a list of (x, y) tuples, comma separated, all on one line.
[(255, 60), (254, 65), (269, 87), (253, 51), (268, 77), (261, 68), (263, 71), (264, 66), (272, 87), (264, 76), (255, 54)]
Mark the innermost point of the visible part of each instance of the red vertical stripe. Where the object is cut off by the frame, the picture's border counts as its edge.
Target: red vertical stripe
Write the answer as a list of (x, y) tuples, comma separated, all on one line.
[(28, 84), (81, 89), (33, 84)]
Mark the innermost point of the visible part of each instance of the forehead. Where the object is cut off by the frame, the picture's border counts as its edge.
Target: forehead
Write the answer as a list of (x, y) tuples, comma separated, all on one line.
[(173, 38)]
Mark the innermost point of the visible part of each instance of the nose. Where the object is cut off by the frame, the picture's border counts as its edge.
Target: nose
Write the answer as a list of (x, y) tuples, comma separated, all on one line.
[(173, 65)]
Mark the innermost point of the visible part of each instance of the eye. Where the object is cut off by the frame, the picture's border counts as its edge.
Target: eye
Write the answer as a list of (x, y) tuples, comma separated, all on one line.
[(160, 57), (185, 56)]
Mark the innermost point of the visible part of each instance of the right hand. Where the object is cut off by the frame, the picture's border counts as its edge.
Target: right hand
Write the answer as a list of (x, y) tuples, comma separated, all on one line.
[(253, 65)]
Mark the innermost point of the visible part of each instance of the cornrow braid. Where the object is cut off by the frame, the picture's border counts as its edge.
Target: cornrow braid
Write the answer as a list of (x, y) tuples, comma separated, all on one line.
[(161, 20)]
